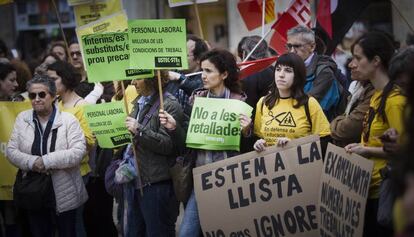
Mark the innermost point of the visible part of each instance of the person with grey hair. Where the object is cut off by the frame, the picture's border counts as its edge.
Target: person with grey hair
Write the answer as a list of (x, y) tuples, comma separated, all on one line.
[(47, 146), (321, 72)]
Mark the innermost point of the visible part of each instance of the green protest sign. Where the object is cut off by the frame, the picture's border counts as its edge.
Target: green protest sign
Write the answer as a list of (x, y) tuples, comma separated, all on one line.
[(215, 125), (158, 44), (107, 58), (107, 122)]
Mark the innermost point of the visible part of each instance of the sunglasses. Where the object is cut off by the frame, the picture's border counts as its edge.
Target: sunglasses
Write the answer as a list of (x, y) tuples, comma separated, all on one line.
[(295, 46), (41, 95)]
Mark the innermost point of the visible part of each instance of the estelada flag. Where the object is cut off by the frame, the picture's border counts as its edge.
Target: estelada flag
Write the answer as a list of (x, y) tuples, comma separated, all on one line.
[(298, 14), (251, 12), (335, 18), (250, 67)]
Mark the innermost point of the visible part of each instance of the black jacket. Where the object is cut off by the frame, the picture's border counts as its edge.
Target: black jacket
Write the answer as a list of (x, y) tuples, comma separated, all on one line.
[(155, 148)]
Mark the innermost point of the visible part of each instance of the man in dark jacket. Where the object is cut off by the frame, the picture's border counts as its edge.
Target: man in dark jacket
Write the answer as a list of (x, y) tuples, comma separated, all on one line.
[(301, 40)]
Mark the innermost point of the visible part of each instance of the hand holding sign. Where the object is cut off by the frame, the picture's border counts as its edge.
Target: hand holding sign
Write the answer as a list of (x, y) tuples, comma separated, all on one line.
[(167, 120), (131, 124)]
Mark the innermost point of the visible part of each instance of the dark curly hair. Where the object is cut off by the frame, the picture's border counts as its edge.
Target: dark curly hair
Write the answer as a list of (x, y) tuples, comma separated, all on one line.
[(6, 69), (299, 70), (70, 76), (224, 61)]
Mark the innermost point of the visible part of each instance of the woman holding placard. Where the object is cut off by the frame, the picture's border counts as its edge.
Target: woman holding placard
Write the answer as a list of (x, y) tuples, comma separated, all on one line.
[(287, 112), (371, 56), (220, 80)]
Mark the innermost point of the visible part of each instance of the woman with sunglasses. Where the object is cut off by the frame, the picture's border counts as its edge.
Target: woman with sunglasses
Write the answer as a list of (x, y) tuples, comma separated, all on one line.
[(371, 56), (287, 112), (49, 142), (67, 79)]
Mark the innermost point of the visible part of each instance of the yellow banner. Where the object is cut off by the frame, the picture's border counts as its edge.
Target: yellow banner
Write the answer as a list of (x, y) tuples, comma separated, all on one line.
[(87, 13), (9, 112), (5, 1)]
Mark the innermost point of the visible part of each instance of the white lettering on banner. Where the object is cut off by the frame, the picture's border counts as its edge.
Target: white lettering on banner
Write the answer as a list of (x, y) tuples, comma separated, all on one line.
[(300, 11)]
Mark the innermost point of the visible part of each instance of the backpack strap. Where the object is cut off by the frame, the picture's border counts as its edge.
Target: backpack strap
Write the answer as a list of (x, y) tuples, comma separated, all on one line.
[(307, 112), (152, 110)]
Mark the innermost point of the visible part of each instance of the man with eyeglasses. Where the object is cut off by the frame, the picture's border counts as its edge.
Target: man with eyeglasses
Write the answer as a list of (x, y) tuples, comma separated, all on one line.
[(181, 86), (301, 40), (84, 87)]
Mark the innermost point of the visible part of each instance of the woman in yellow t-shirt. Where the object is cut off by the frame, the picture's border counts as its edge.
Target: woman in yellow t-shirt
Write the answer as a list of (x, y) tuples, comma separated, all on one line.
[(371, 56), (287, 112)]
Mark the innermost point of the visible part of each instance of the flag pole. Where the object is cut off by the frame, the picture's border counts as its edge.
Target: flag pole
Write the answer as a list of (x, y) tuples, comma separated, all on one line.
[(402, 16), (200, 29), (257, 45), (263, 16), (133, 145), (61, 30)]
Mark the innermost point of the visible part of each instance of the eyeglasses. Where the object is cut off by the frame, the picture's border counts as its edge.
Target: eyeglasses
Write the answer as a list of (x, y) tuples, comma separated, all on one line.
[(295, 46), (41, 95), (77, 53)]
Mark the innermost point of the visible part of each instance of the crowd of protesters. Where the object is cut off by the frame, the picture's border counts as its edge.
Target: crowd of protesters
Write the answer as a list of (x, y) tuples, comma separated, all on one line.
[(372, 117)]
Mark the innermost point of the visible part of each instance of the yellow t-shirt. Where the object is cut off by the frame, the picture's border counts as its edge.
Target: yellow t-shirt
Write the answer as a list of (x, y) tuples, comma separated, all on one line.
[(130, 95), (77, 111), (285, 121), (394, 108)]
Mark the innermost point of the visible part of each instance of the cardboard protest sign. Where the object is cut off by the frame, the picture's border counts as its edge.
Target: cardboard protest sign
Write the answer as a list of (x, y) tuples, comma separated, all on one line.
[(158, 44), (215, 124), (272, 193), (343, 193), (106, 58), (9, 112), (177, 3), (107, 122), (87, 13)]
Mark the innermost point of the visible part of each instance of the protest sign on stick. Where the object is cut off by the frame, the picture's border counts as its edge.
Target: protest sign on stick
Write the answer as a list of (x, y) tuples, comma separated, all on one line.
[(9, 112), (343, 193), (117, 22), (272, 193), (158, 44), (87, 13), (107, 58), (215, 124), (107, 122)]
